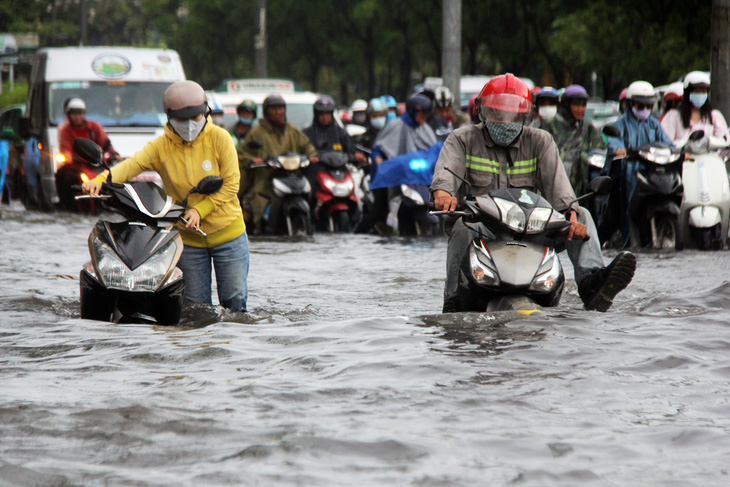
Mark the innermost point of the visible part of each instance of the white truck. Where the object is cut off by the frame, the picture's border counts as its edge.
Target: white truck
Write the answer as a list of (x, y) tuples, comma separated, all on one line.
[(122, 88)]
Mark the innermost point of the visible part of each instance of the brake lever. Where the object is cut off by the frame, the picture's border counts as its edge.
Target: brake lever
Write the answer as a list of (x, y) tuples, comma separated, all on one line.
[(196, 228)]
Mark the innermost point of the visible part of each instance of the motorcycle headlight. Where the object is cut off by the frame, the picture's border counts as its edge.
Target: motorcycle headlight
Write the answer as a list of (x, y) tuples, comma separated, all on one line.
[(547, 279), (412, 194), (149, 276), (512, 215), (660, 155), (539, 219), (597, 160), (482, 267), (340, 189)]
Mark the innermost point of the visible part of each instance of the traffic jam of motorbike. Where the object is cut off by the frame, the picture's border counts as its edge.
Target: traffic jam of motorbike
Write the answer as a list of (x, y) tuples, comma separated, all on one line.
[(309, 167)]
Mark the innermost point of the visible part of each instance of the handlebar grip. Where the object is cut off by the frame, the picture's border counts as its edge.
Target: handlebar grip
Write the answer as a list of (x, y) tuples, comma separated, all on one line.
[(76, 187)]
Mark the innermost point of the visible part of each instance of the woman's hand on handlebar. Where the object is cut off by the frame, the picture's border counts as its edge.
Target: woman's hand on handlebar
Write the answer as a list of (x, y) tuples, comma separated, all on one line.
[(193, 219), (443, 201), (91, 188)]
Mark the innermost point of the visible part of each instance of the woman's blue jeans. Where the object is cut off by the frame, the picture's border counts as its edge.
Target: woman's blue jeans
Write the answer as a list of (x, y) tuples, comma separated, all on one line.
[(231, 261)]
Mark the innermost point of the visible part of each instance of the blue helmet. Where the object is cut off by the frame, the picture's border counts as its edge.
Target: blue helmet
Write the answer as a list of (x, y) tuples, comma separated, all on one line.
[(389, 101), (547, 92), (418, 103), (377, 105)]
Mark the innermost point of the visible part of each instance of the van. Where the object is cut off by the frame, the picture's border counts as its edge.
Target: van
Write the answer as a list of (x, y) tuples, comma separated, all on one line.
[(122, 88), (230, 93)]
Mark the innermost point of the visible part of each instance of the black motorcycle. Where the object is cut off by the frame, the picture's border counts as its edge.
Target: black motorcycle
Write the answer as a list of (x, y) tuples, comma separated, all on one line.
[(288, 212), (133, 273), (654, 205)]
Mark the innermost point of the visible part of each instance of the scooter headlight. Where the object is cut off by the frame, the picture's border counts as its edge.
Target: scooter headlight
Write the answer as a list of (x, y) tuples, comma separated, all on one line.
[(340, 189), (549, 273), (412, 194), (482, 267), (149, 276), (660, 155), (512, 215), (539, 219)]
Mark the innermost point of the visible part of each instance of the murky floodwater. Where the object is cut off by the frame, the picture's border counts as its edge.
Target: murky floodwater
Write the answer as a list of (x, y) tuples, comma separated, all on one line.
[(333, 379)]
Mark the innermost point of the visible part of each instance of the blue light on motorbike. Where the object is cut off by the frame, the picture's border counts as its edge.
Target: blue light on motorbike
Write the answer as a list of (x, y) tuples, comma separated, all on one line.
[(418, 165)]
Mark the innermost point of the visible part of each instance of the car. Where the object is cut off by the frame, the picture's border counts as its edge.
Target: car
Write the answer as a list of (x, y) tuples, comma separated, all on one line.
[(299, 103), (602, 112), (10, 131)]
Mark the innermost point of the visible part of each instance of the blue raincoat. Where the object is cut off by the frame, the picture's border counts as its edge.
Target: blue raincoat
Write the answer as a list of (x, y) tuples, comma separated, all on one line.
[(634, 133)]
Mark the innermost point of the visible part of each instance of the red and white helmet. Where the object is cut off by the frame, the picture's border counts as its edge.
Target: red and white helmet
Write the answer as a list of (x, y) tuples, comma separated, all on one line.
[(505, 98), (674, 92)]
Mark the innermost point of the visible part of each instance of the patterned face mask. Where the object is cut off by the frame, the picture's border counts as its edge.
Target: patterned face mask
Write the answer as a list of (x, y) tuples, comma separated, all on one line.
[(503, 133)]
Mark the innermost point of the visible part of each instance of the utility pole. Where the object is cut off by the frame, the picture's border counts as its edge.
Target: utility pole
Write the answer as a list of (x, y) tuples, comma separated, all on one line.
[(451, 49), (83, 38), (720, 56), (260, 39)]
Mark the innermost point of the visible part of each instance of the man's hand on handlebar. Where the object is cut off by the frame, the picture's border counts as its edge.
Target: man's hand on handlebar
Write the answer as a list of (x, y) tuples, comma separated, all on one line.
[(577, 230), (443, 201), (91, 188)]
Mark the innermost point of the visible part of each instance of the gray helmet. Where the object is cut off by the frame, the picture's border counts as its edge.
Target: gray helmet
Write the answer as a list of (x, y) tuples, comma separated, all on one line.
[(184, 99)]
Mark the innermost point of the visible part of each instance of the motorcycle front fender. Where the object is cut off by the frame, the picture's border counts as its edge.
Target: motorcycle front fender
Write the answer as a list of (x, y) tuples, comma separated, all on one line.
[(704, 216)]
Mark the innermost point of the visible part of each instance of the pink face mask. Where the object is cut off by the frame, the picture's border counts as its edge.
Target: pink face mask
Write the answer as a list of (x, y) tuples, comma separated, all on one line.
[(641, 114)]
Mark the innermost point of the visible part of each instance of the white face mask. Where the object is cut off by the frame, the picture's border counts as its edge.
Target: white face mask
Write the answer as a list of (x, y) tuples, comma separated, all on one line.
[(547, 112), (189, 129), (378, 122)]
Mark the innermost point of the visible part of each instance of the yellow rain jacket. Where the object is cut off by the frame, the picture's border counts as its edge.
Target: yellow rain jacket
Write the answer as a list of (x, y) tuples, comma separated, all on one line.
[(181, 166)]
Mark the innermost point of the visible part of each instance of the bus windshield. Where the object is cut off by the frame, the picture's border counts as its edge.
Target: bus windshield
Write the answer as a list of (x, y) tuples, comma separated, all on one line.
[(111, 103)]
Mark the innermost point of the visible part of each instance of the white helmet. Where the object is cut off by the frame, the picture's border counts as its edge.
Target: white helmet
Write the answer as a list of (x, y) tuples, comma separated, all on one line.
[(696, 79), (75, 104), (443, 97), (641, 92), (359, 105)]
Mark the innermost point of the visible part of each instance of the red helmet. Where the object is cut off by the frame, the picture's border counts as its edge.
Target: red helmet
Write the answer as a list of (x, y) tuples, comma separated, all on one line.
[(508, 93)]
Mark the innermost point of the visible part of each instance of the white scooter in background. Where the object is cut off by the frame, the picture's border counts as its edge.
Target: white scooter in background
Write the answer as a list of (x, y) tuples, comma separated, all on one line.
[(705, 207)]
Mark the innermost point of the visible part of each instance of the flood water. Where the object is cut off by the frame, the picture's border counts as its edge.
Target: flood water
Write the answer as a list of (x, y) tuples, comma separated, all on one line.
[(341, 375)]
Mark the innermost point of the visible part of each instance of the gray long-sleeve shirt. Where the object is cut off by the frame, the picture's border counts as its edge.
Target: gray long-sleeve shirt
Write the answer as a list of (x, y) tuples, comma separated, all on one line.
[(531, 162)]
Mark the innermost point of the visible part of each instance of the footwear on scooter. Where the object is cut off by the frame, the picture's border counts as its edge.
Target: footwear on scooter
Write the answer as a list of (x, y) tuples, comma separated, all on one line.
[(598, 289)]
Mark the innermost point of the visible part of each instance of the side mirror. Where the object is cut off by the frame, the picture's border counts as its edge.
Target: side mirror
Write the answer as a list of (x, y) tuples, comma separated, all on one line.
[(24, 128), (88, 152), (697, 135), (611, 131), (601, 186), (208, 185)]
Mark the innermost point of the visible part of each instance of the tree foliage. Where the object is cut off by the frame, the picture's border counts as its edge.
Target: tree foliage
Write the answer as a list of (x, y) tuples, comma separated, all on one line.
[(363, 48)]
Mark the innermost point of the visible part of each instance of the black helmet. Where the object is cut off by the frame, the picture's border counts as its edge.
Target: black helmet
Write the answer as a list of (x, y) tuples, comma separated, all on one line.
[(324, 104), (273, 100)]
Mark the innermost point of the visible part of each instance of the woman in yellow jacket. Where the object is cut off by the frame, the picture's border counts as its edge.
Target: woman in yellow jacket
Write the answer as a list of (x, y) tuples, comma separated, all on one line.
[(192, 148)]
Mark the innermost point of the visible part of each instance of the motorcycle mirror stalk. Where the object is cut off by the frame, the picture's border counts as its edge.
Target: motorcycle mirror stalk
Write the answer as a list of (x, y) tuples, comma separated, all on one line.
[(600, 186)]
